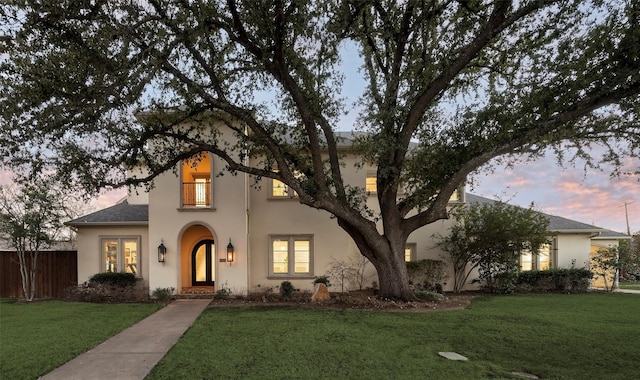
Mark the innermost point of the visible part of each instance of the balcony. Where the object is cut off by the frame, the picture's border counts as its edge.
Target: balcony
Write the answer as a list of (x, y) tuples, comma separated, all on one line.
[(196, 194)]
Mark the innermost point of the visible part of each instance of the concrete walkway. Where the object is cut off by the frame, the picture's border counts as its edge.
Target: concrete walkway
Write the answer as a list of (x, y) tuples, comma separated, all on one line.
[(629, 291), (135, 351)]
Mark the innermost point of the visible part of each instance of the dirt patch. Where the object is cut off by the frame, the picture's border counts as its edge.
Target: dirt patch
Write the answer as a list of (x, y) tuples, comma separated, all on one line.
[(357, 300)]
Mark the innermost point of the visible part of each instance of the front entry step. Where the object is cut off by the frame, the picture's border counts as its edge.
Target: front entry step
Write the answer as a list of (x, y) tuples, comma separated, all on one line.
[(196, 292)]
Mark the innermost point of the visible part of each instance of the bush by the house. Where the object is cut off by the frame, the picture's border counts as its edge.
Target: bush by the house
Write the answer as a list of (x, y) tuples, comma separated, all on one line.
[(426, 295), (322, 280), (119, 279), (427, 274), (163, 294), (109, 288), (223, 292), (573, 280), (286, 290)]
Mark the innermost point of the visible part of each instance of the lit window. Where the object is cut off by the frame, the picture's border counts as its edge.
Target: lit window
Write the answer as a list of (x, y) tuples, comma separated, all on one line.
[(281, 190), (196, 182), (410, 252), (121, 254), (455, 197), (371, 184), (540, 261), (291, 255)]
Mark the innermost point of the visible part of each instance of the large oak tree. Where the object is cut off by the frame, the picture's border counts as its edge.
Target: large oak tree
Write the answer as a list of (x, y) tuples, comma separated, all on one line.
[(451, 85)]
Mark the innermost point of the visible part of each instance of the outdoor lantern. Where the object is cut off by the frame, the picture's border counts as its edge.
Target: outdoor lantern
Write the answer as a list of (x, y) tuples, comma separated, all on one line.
[(162, 252), (230, 251)]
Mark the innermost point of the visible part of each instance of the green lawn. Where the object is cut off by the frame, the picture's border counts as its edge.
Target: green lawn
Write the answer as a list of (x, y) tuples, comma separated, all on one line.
[(36, 338), (630, 285), (553, 336), (590, 336)]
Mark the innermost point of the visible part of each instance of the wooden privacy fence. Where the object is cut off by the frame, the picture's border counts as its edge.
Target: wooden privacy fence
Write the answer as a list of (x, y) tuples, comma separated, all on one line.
[(56, 271)]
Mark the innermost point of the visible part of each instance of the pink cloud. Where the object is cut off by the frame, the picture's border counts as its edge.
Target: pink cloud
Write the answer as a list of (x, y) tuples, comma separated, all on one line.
[(588, 196)]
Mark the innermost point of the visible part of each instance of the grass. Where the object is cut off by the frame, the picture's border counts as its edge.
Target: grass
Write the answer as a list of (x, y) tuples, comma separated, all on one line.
[(634, 285), (36, 338), (552, 336)]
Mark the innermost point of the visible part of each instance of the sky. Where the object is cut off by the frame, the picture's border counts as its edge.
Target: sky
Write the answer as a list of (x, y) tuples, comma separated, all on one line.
[(590, 196)]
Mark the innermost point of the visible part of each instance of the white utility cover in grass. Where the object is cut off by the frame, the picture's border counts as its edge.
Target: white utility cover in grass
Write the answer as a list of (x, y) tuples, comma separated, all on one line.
[(452, 356)]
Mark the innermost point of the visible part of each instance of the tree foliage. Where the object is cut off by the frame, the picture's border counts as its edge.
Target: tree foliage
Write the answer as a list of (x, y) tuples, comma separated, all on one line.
[(629, 256), (606, 264), (490, 237), (451, 85), (30, 220)]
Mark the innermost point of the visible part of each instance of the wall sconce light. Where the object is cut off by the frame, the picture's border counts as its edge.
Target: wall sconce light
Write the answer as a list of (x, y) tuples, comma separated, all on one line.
[(162, 252), (230, 252)]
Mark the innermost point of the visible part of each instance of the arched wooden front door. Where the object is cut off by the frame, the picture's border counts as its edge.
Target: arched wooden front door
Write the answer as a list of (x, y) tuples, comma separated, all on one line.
[(203, 264)]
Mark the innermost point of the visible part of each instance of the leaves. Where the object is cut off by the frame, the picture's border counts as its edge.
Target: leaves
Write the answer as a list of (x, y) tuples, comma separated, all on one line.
[(491, 234), (30, 220)]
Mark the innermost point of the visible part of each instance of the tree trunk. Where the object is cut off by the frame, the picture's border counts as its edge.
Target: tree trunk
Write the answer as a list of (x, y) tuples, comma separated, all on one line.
[(393, 278), (28, 274), (387, 256), (33, 273)]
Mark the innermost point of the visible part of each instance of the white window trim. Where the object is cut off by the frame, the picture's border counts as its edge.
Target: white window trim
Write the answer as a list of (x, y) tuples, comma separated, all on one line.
[(120, 238), (291, 238)]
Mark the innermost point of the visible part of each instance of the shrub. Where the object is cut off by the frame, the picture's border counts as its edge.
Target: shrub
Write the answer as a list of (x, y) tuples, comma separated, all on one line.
[(429, 295), (351, 274), (118, 279), (322, 280), (105, 293), (286, 290), (427, 274), (223, 293), (573, 280), (503, 282), (109, 287), (163, 294)]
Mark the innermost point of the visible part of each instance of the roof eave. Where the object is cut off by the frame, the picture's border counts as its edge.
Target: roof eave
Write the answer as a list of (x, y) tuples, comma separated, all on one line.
[(577, 231), (107, 224)]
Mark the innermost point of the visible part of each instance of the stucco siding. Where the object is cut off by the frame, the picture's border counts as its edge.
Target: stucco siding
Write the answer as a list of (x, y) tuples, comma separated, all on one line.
[(226, 220), (90, 252), (573, 250)]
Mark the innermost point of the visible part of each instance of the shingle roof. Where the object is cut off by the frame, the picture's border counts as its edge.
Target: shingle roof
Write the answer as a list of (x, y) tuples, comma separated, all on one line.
[(558, 223), (121, 213)]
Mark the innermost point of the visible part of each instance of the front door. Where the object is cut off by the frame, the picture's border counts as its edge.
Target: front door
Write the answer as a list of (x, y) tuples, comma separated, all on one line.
[(202, 264)]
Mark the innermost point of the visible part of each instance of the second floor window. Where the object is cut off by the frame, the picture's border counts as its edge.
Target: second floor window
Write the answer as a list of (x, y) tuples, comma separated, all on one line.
[(196, 182), (281, 190)]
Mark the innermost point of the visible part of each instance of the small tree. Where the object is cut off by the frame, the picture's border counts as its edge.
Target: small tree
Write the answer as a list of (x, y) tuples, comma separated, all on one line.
[(352, 272), (629, 255), (490, 237), (606, 264), (30, 220)]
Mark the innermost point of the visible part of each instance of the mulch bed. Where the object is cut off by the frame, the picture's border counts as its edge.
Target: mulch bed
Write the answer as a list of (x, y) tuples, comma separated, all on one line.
[(356, 300)]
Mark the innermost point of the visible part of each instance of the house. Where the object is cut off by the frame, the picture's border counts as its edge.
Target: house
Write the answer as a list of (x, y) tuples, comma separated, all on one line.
[(571, 243), (195, 229)]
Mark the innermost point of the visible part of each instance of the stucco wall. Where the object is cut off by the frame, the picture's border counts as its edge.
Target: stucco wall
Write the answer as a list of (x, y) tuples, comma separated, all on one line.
[(573, 249), (271, 216), (226, 219), (90, 252)]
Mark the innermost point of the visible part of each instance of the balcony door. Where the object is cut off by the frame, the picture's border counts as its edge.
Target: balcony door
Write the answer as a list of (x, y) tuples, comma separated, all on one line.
[(203, 264)]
